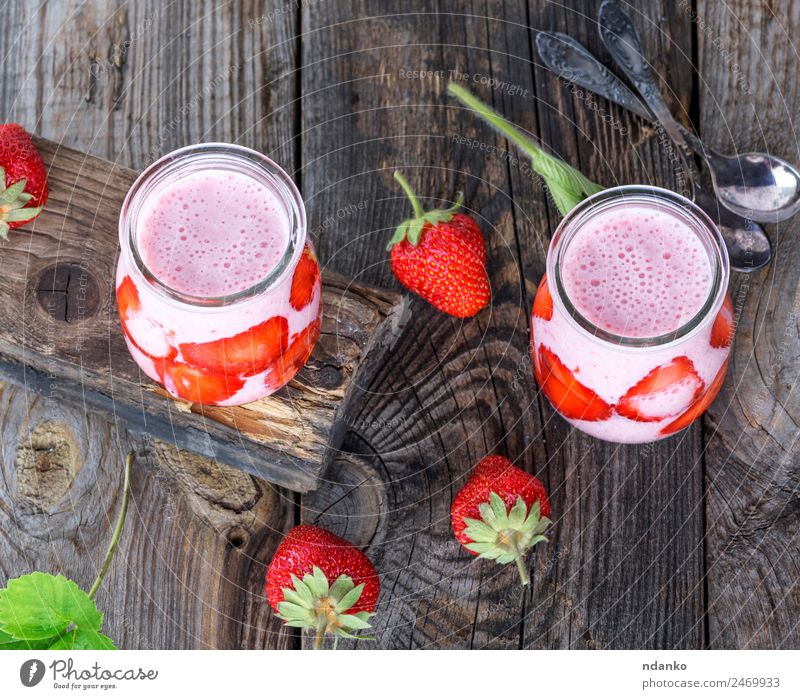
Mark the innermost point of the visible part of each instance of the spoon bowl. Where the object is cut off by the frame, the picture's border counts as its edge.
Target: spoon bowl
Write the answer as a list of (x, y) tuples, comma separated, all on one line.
[(755, 185), (748, 246)]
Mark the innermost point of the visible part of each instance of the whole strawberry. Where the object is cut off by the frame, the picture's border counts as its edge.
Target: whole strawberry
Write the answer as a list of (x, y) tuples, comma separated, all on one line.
[(441, 256), (23, 179), (319, 581), (500, 513)]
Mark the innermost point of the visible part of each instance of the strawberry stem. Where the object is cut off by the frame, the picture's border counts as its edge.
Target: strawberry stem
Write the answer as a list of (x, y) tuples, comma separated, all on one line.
[(511, 132), (567, 185), (403, 182), (320, 635), (112, 547), (519, 559)]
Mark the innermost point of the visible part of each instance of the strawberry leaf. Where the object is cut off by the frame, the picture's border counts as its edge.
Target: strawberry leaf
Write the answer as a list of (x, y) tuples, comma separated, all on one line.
[(83, 639), (349, 599), (314, 603), (8, 642), (415, 231), (39, 605)]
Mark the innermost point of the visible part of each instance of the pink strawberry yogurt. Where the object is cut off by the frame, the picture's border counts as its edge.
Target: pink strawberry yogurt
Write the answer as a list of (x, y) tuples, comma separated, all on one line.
[(209, 234), (218, 289), (631, 342)]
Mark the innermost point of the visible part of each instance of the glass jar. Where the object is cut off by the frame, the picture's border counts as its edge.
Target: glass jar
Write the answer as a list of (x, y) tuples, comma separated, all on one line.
[(218, 288), (638, 386)]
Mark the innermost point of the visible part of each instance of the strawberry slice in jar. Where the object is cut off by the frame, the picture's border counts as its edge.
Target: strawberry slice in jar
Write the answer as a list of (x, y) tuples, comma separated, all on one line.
[(722, 330), (699, 406), (198, 385), (568, 395), (543, 303), (664, 392), (304, 280), (246, 353), (294, 358)]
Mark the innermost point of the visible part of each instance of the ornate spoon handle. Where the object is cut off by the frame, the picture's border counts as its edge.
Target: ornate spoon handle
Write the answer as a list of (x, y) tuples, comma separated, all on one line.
[(622, 41), (570, 60)]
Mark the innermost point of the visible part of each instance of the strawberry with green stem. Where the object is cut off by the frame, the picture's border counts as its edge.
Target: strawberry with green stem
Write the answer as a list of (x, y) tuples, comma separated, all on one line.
[(319, 581), (441, 256), (23, 179), (501, 513)]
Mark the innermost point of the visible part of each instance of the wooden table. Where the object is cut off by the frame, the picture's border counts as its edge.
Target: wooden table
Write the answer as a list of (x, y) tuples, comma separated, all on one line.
[(688, 543)]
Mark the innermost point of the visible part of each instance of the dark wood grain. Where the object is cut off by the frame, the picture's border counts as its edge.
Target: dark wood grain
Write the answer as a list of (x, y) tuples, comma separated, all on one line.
[(685, 544), (751, 101), (623, 568), (127, 82)]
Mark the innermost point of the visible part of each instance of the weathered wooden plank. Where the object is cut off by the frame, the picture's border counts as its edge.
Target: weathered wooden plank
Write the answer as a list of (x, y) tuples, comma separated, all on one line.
[(62, 471), (623, 568), (129, 81), (626, 568), (61, 274), (750, 100)]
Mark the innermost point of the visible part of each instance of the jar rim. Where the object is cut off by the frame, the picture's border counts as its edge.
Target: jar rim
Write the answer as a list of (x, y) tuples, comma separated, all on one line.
[(640, 194), (207, 156)]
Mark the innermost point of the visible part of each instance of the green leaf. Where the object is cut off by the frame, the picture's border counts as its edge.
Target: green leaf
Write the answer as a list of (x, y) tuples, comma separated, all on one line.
[(83, 639), (302, 591), (349, 599), (23, 214), (317, 582), (499, 509), (289, 610), (518, 513), (399, 234), (415, 231), (478, 531), (351, 621), (341, 586), (488, 516), (8, 642), (40, 605), (10, 195), (346, 634), (480, 547), (291, 596)]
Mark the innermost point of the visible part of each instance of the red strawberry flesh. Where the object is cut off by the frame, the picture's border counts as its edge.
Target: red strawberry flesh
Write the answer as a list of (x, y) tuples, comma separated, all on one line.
[(665, 391), (20, 161), (307, 546), (441, 256), (304, 280), (246, 353), (567, 395)]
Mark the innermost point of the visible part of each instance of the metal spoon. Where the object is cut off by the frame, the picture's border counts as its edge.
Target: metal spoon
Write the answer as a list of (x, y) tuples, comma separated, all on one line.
[(748, 246), (755, 185)]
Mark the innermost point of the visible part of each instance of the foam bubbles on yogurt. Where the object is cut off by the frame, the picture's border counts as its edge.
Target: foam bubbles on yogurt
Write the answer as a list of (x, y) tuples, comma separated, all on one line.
[(212, 232), (636, 271)]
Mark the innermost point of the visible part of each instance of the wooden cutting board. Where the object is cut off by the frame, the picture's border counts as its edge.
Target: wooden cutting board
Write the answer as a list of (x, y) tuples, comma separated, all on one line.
[(60, 336)]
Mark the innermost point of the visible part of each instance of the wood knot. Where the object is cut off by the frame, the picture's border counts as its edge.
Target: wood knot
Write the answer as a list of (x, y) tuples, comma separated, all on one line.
[(222, 487), (68, 292), (237, 537), (47, 463)]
